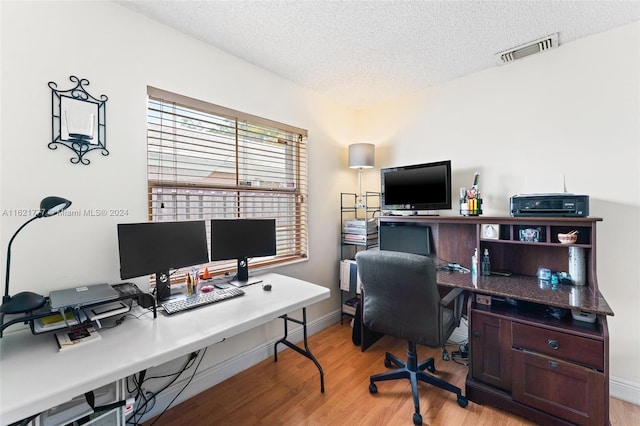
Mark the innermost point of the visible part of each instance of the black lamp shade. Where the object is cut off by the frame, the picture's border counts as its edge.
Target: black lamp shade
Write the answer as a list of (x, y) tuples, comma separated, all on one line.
[(51, 206)]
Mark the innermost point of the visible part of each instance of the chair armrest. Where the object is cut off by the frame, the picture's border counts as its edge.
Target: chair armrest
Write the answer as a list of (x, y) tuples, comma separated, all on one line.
[(451, 296), (456, 295)]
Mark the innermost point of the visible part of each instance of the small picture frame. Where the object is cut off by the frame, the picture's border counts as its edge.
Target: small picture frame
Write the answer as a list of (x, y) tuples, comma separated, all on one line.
[(530, 235), (490, 231)]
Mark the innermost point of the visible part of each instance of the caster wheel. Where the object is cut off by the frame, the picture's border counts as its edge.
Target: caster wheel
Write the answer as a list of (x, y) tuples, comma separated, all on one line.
[(463, 401), (387, 363), (431, 368), (446, 356), (373, 389), (417, 419)]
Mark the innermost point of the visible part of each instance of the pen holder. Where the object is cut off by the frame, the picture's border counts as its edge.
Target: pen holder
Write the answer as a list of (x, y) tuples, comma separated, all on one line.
[(471, 207)]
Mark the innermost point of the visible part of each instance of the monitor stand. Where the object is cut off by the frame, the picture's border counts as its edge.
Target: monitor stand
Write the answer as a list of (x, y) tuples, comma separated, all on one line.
[(238, 283), (163, 287), (242, 280)]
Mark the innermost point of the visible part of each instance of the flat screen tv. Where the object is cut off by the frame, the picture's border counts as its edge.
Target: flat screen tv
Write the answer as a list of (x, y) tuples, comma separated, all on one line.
[(417, 187), (156, 247)]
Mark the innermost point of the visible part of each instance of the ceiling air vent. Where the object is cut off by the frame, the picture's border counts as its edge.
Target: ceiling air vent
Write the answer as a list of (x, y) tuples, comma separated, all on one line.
[(536, 46)]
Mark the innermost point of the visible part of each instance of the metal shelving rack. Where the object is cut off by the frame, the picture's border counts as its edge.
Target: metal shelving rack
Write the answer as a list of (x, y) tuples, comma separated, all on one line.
[(351, 210)]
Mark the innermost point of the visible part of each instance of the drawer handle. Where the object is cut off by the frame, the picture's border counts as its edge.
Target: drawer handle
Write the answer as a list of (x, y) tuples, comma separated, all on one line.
[(553, 344), (553, 365), (476, 334)]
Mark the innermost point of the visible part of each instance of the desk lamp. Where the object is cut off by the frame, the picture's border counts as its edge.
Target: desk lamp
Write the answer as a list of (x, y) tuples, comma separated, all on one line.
[(361, 156), (27, 301)]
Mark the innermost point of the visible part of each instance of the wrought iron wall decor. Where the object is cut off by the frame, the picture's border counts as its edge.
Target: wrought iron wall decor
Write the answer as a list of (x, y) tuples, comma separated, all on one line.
[(78, 120)]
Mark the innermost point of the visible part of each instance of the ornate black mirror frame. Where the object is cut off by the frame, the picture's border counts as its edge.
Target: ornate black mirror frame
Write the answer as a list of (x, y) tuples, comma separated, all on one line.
[(78, 120)]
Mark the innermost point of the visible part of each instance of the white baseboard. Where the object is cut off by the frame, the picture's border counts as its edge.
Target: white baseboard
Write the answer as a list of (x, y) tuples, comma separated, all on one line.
[(218, 373), (624, 390)]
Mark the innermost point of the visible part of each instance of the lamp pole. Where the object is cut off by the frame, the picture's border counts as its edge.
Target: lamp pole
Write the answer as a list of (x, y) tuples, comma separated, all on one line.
[(6, 296), (27, 301)]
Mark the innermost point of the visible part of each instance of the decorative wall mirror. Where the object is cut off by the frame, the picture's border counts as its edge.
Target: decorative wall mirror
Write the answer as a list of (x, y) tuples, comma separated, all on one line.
[(78, 120)]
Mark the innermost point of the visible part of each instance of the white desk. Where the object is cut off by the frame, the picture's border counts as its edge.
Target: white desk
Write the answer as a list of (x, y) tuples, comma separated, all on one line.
[(35, 376)]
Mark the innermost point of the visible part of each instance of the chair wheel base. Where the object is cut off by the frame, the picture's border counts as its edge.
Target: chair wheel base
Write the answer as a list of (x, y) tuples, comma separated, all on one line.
[(373, 389), (417, 419), (463, 401)]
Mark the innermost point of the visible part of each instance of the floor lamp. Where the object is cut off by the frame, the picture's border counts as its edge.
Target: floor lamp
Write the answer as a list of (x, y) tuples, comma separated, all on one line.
[(28, 301), (361, 156)]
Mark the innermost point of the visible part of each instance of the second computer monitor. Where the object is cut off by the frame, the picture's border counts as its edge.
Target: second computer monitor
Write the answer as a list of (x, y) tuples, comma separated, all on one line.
[(242, 239)]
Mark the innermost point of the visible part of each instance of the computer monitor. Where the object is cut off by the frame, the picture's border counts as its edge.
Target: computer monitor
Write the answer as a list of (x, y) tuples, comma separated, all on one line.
[(407, 238), (156, 247), (242, 239)]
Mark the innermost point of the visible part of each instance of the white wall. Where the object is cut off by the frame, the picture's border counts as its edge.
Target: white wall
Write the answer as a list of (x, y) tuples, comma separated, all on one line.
[(120, 53), (572, 111)]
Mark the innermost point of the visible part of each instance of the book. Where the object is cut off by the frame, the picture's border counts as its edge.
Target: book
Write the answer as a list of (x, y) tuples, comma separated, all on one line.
[(71, 338)]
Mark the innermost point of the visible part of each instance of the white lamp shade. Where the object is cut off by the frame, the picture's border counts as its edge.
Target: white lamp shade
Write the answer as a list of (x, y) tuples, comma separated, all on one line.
[(362, 155)]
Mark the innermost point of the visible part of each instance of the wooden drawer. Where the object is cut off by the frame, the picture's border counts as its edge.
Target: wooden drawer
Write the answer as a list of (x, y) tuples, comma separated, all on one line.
[(564, 389), (581, 350)]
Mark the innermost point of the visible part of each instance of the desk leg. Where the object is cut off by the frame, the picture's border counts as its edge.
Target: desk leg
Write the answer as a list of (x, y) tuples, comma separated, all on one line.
[(306, 352)]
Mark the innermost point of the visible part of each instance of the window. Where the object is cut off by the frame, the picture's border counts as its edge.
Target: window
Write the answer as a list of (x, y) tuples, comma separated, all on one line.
[(205, 161)]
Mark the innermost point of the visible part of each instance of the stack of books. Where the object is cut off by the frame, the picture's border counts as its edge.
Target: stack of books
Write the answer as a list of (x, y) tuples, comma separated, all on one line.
[(360, 231), (349, 279)]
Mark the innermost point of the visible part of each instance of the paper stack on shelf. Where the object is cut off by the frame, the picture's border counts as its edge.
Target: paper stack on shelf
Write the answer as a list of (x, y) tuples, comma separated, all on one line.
[(349, 307), (360, 231), (354, 238), (56, 321)]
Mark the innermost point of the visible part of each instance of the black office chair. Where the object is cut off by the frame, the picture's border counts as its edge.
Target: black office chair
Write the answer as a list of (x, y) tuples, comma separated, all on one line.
[(401, 299)]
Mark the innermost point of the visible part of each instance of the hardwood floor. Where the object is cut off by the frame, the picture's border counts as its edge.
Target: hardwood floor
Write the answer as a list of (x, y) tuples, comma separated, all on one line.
[(287, 392)]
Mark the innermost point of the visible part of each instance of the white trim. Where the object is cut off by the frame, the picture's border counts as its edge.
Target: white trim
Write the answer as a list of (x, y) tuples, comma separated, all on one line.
[(218, 373), (625, 390)]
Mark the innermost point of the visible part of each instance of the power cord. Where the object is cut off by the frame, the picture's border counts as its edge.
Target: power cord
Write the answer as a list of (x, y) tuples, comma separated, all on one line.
[(461, 356), (185, 386), (145, 400)]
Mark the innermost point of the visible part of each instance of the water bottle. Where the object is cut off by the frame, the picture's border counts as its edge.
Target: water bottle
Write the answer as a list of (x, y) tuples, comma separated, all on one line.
[(474, 267), (485, 266)]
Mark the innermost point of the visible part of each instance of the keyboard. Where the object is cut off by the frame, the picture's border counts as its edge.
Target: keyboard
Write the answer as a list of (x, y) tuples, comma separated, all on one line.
[(201, 299)]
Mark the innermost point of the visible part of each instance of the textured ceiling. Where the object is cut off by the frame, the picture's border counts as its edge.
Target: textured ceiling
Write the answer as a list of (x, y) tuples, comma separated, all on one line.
[(363, 52)]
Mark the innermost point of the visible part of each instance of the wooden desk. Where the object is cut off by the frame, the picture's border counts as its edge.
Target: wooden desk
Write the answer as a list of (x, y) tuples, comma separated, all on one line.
[(36, 376), (523, 358)]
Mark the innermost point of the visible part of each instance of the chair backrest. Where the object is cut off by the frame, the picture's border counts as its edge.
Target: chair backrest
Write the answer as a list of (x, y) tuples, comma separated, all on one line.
[(401, 296)]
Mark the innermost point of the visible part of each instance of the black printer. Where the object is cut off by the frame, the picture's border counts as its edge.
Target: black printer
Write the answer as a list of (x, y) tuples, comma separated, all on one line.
[(563, 204)]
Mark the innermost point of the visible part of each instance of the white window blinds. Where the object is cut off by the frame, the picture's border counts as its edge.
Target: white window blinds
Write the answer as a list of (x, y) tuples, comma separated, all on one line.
[(205, 161)]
